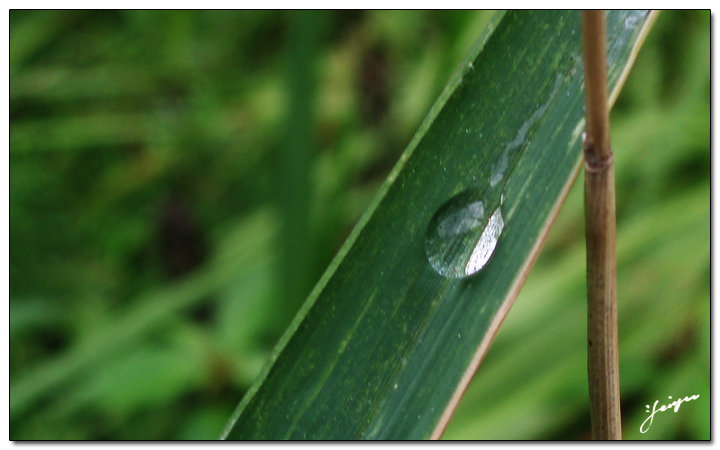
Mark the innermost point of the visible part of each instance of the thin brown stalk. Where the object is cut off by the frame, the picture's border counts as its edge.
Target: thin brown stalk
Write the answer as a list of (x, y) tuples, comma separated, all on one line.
[(603, 368)]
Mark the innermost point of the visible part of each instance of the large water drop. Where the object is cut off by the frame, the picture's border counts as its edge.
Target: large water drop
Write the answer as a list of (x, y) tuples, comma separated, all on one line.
[(462, 235)]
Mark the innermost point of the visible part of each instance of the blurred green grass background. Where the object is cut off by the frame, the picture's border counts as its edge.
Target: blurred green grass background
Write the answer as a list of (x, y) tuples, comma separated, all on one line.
[(180, 180)]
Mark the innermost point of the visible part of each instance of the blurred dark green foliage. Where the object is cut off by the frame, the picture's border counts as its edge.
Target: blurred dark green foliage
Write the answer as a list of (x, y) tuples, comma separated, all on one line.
[(180, 180)]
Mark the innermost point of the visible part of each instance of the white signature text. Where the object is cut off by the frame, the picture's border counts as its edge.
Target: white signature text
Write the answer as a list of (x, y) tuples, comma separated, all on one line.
[(673, 405)]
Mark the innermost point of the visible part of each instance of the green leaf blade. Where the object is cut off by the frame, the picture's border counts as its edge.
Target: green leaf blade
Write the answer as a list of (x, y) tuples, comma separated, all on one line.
[(384, 346)]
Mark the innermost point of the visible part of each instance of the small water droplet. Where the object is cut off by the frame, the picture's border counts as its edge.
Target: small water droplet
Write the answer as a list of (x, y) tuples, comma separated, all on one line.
[(462, 235), (472, 67), (633, 19), (395, 386)]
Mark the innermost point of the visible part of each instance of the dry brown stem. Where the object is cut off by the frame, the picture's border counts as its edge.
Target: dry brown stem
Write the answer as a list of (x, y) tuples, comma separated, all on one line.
[(603, 368)]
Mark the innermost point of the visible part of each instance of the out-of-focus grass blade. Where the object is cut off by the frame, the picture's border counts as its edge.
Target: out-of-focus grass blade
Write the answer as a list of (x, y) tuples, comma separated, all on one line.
[(295, 155), (384, 346), (89, 84), (245, 261), (30, 36)]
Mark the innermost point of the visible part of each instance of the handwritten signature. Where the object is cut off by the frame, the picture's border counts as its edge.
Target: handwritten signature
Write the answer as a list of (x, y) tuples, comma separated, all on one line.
[(676, 404)]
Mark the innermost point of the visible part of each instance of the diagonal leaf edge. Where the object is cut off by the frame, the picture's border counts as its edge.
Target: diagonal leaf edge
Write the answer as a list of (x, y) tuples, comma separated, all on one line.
[(302, 311)]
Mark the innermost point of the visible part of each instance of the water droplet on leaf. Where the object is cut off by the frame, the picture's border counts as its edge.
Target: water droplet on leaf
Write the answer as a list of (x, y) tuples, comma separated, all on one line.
[(633, 18), (462, 235)]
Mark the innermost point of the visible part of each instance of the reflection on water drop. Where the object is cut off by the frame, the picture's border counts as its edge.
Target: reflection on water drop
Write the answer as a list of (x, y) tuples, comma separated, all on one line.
[(461, 221), (486, 244), (462, 235)]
